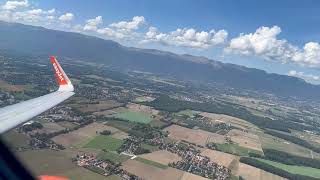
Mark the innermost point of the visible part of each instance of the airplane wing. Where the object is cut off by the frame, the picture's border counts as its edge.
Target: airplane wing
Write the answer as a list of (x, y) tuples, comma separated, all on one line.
[(13, 115)]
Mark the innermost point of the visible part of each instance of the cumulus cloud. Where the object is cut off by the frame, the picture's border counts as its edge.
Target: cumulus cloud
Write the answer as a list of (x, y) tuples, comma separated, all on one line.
[(264, 43), (112, 33), (91, 24), (33, 16), (123, 29), (302, 75), (136, 22), (11, 5), (187, 37), (66, 17)]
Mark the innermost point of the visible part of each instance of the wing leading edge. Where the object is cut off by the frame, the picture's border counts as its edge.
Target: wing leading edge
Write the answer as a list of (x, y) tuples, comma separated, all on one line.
[(13, 115)]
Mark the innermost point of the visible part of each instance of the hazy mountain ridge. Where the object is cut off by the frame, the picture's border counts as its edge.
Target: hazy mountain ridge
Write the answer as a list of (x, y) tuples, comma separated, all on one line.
[(38, 40)]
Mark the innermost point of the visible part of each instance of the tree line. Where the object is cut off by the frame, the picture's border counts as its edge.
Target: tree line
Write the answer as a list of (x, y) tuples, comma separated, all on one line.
[(165, 103), (274, 170)]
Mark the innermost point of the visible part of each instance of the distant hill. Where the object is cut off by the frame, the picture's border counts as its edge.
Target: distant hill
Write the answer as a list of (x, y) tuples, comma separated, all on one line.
[(38, 40)]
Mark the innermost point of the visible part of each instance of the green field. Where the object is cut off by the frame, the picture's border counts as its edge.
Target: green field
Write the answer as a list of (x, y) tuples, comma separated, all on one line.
[(271, 142), (104, 142), (306, 171), (149, 147), (15, 139), (133, 116), (236, 149), (113, 157), (152, 163), (121, 125), (188, 112)]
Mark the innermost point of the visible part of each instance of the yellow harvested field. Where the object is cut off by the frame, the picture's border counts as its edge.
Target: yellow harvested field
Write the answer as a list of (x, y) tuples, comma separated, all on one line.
[(245, 139), (219, 157), (196, 136), (189, 176), (150, 172), (50, 127), (162, 157), (228, 120), (82, 134), (120, 135), (142, 108), (251, 173)]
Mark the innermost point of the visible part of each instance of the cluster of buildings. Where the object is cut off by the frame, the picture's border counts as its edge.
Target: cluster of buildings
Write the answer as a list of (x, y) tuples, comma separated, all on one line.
[(192, 161), (45, 144), (105, 168), (6, 99), (195, 163), (62, 113)]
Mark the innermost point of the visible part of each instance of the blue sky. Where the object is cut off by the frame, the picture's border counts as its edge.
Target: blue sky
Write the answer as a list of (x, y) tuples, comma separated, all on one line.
[(278, 36)]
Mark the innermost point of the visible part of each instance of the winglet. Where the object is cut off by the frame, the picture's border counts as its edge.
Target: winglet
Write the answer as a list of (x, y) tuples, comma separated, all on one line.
[(62, 79)]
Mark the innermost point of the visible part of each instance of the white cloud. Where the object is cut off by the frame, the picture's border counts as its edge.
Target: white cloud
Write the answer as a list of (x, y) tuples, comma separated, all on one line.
[(123, 29), (112, 33), (264, 43), (187, 37), (33, 16), (136, 22), (91, 24), (310, 55), (11, 5), (66, 17), (302, 75)]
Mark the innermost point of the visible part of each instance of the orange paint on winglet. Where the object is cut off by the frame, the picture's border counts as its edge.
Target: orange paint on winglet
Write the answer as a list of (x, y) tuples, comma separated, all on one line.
[(45, 177), (59, 75)]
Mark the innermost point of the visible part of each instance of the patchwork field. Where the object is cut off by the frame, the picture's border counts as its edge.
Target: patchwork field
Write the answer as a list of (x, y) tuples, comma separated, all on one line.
[(104, 142), (189, 176), (245, 139), (251, 173), (55, 163), (162, 156), (133, 116), (12, 88), (188, 112), (151, 163), (194, 136), (144, 99), (218, 157), (112, 156), (142, 108), (101, 106), (51, 127), (236, 149), (271, 142), (229, 120), (306, 171), (82, 135), (151, 172)]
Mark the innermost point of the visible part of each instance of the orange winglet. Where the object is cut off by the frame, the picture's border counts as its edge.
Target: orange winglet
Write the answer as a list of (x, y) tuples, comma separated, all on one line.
[(59, 73), (45, 177)]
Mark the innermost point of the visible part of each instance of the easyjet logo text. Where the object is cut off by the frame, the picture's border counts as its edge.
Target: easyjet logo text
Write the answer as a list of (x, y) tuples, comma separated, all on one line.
[(59, 74)]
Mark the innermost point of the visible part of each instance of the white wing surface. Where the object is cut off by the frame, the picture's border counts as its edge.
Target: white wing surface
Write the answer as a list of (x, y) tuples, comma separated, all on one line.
[(13, 115)]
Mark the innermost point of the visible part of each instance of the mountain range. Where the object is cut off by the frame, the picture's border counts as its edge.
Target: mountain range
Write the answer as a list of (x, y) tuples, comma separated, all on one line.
[(38, 40)]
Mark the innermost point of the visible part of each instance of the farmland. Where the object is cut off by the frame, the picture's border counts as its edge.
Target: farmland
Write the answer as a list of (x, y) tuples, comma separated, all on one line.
[(112, 156), (104, 142), (162, 157), (306, 171), (133, 116), (235, 149)]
